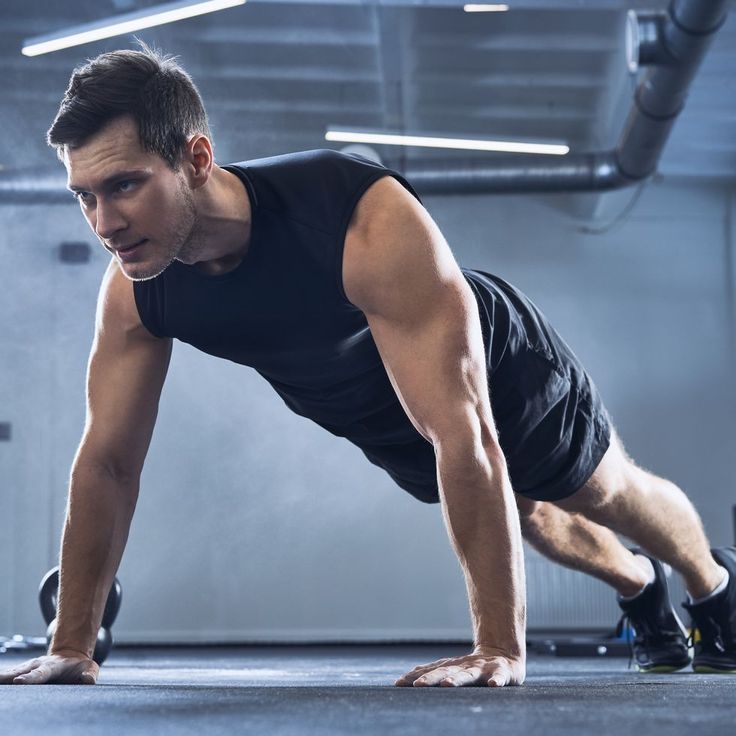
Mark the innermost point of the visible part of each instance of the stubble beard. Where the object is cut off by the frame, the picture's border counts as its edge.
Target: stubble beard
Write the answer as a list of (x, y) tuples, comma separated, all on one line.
[(185, 238)]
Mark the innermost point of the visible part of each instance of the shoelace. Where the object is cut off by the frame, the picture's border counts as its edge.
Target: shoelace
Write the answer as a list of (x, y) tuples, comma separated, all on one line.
[(646, 634), (620, 629), (710, 631)]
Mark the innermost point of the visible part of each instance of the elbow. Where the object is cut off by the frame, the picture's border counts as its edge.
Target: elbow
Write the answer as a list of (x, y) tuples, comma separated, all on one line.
[(470, 454), (86, 471)]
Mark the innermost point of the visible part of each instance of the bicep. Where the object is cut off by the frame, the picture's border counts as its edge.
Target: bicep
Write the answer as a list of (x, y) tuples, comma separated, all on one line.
[(125, 374)]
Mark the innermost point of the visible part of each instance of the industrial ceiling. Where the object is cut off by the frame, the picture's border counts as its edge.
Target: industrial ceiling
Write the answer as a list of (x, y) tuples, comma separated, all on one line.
[(276, 75)]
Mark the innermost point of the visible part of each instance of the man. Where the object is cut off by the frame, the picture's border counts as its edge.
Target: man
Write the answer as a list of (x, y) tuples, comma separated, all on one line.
[(324, 273)]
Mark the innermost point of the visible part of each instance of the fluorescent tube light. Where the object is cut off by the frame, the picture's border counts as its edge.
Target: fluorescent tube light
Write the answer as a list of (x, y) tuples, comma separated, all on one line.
[(485, 8), (117, 25), (389, 139)]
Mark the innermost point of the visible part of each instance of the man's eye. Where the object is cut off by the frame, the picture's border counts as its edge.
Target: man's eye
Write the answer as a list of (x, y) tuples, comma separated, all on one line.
[(80, 196), (125, 186)]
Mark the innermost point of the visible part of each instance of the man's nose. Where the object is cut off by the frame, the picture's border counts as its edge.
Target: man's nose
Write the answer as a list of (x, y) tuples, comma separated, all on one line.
[(109, 221)]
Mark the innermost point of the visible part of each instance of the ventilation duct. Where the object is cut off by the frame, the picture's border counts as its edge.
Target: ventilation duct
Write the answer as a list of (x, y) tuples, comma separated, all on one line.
[(674, 43), (28, 187)]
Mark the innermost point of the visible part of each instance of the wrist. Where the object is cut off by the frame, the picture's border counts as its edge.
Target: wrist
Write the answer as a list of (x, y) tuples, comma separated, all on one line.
[(61, 644), (62, 651), (517, 653)]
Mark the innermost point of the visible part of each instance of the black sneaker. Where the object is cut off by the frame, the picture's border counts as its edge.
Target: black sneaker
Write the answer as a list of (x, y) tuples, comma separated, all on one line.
[(715, 622), (660, 643)]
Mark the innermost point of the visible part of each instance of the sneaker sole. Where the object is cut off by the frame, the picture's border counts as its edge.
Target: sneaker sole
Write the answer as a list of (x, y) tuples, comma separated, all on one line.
[(662, 668), (704, 669), (666, 668)]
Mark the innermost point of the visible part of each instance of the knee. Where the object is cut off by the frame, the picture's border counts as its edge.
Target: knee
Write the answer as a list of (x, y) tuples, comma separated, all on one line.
[(604, 492), (527, 507), (530, 517), (592, 497)]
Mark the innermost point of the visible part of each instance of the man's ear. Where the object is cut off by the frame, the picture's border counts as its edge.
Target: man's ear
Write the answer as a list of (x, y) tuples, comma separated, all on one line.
[(198, 160)]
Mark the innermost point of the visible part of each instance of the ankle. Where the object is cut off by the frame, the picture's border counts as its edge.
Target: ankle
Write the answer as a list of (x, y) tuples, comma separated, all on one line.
[(641, 575), (699, 595)]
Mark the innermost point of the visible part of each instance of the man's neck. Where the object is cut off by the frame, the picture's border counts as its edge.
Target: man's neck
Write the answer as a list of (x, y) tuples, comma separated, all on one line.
[(225, 217)]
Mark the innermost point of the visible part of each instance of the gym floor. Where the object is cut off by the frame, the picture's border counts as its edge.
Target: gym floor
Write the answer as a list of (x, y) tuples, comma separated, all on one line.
[(279, 690)]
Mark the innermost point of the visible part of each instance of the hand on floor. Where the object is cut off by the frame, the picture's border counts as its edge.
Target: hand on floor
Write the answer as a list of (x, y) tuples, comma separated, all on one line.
[(478, 668), (63, 668)]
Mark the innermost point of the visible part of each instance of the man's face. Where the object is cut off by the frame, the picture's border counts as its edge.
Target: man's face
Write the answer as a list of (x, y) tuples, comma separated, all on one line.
[(131, 197)]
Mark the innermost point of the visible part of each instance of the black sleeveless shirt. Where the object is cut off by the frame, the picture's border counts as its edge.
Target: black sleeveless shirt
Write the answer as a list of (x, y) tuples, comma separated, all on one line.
[(283, 310)]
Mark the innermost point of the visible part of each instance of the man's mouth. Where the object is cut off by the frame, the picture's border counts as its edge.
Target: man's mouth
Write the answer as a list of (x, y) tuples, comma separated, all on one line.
[(129, 252), (127, 248)]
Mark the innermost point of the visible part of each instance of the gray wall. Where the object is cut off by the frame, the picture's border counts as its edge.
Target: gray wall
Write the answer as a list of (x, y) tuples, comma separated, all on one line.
[(254, 524)]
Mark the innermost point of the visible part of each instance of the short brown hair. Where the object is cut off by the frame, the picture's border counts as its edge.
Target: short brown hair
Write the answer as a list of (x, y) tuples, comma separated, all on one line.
[(147, 85)]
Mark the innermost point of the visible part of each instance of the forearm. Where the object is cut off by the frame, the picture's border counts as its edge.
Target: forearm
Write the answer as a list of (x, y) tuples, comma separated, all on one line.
[(483, 524), (99, 513)]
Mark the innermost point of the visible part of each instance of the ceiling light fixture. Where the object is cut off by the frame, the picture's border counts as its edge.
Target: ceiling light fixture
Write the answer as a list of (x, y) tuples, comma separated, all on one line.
[(345, 136), (485, 8), (117, 25)]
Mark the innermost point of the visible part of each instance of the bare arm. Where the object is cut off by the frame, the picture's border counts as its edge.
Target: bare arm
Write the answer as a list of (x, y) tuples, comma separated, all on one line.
[(423, 316), (126, 372)]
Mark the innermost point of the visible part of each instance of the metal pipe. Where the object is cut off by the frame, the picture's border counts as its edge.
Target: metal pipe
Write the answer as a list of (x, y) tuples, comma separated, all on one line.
[(584, 172), (660, 97), (646, 30), (21, 186), (684, 37)]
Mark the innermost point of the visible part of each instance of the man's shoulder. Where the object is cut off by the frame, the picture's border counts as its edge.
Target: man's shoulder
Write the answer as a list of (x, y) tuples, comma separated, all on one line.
[(312, 187), (309, 157), (116, 302)]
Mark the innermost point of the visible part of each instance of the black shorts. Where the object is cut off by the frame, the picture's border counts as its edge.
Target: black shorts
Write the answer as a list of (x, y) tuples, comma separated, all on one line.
[(551, 422)]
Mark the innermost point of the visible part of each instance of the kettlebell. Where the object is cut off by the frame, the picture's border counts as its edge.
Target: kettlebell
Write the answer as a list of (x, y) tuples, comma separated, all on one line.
[(48, 599)]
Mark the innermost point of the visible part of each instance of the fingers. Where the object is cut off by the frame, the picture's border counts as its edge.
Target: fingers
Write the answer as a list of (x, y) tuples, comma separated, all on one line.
[(88, 678), (500, 678), (449, 676), (469, 676), (7, 676), (408, 679), (507, 673), (435, 676), (428, 674), (469, 670), (455, 676), (51, 669), (37, 676)]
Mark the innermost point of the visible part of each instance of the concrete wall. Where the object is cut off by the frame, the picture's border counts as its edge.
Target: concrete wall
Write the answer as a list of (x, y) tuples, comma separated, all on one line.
[(253, 523)]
